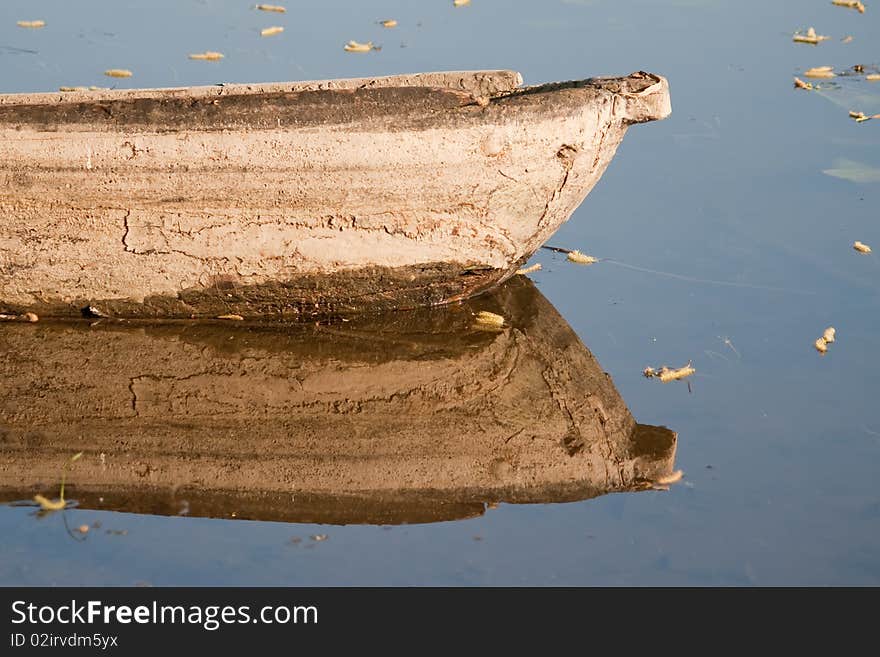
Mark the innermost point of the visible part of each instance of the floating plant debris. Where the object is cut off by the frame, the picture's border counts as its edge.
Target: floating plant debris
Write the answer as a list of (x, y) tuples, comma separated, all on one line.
[(460, 3), (581, 258), (850, 4), (861, 247), (49, 505), (861, 117), (666, 374), (388, 23), (820, 72), (66, 89), (319, 537), (355, 46), (31, 24), (828, 336), (872, 77), (57, 505), (800, 84), (270, 31), (118, 73), (208, 55), (846, 39), (529, 270), (810, 37), (231, 316), (276, 8)]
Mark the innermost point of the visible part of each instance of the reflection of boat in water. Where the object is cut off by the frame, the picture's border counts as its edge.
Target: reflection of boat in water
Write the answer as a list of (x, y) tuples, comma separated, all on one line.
[(407, 417), (296, 199)]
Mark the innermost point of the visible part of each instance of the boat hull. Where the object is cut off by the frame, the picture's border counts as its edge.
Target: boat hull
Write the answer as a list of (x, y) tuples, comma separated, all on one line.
[(299, 200)]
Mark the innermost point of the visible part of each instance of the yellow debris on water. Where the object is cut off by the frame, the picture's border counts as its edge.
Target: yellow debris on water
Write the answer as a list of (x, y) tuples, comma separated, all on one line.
[(861, 247), (355, 46), (581, 258), (800, 84), (57, 505), (271, 31), (850, 4), (828, 336), (276, 8), (66, 89), (873, 77), (389, 23), (529, 270), (31, 24), (31, 317), (810, 37), (820, 72), (860, 117), (460, 3), (666, 374), (208, 55), (231, 316), (846, 39), (83, 529), (118, 73), (49, 505), (485, 318)]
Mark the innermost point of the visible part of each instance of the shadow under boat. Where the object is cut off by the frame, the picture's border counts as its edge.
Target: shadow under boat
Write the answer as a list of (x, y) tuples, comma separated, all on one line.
[(409, 417)]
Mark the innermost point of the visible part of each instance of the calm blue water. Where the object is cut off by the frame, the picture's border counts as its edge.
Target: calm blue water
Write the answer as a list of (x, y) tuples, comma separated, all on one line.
[(728, 194)]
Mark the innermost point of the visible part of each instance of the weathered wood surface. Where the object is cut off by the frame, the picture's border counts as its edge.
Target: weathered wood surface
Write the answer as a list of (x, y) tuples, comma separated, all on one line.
[(411, 417), (296, 199)]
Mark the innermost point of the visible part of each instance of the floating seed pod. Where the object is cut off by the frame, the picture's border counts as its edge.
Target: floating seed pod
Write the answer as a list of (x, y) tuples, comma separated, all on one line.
[(581, 258), (355, 46), (208, 55)]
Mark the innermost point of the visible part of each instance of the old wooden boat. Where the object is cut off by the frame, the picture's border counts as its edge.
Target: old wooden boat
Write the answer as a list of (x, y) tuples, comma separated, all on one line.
[(299, 198), (399, 417)]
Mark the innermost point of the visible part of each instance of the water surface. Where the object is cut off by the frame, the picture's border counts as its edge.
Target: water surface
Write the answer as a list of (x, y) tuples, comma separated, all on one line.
[(746, 241)]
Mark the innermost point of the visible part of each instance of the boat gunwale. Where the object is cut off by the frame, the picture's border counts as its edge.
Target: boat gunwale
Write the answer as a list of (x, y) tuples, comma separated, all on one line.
[(506, 80), (198, 108)]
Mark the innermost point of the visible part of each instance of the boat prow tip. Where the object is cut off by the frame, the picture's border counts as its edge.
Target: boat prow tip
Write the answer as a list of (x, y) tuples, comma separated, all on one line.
[(646, 96)]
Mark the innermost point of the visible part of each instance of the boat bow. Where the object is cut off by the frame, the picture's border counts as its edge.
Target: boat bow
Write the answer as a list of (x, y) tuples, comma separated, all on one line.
[(296, 200)]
